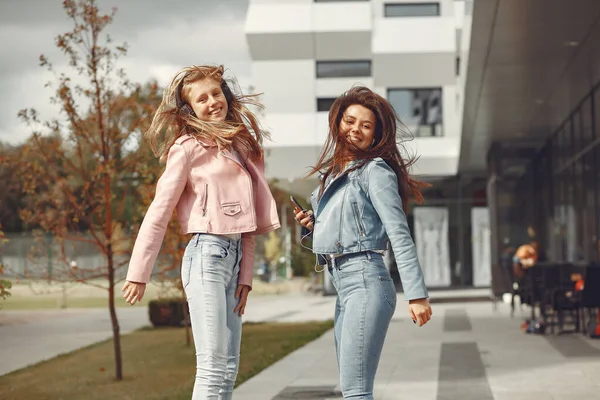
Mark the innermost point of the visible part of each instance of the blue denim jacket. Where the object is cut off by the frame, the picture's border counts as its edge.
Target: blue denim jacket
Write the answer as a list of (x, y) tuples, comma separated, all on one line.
[(362, 210)]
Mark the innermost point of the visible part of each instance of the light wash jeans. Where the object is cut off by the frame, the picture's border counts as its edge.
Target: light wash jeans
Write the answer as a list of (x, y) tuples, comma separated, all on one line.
[(363, 311), (209, 273)]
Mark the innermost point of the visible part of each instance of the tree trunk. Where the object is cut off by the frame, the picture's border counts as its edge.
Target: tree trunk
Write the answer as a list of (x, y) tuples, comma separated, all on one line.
[(113, 315)]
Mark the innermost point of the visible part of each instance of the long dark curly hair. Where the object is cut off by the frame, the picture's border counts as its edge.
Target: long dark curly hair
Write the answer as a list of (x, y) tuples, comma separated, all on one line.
[(389, 132)]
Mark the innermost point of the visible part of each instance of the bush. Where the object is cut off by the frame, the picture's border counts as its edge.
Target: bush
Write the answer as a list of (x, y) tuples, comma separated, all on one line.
[(168, 312), (4, 286)]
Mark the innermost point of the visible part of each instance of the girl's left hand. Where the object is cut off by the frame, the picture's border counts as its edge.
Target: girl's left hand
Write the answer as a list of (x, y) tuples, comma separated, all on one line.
[(241, 294), (420, 311), (133, 291), (305, 218)]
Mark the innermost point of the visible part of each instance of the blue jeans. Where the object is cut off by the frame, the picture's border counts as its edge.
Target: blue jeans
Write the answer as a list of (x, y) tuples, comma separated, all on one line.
[(209, 273), (363, 311)]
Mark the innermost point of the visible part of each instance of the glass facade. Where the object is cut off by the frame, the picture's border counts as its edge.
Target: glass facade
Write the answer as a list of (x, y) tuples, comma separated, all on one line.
[(419, 109), (456, 197), (554, 197)]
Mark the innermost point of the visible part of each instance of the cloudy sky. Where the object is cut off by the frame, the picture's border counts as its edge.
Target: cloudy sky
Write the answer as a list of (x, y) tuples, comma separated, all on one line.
[(162, 37)]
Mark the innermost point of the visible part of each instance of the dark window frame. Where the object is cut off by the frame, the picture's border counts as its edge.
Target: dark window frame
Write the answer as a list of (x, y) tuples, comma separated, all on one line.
[(388, 6), (338, 1), (434, 131), (322, 103), (318, 75), (457, 65)]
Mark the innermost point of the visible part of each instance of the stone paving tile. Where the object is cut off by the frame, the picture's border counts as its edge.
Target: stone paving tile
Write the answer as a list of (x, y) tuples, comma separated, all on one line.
[(515, 365), (426, 390), (523, 395)]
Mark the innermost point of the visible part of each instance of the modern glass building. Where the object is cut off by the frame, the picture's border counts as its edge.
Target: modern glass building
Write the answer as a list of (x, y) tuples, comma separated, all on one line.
[(531, 122), (305, 53), (501, 96)]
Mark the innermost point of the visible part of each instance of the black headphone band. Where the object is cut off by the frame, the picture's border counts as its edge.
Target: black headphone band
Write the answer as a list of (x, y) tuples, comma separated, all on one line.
[(178, 100), (184, 108)]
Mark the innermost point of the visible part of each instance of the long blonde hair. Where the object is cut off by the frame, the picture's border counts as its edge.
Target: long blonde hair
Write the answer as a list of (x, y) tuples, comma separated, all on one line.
[(240, 126)]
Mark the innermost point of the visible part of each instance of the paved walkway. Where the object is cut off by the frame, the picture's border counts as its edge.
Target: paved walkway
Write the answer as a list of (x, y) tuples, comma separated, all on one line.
[(35, 336), (28, 337), (467, 352)]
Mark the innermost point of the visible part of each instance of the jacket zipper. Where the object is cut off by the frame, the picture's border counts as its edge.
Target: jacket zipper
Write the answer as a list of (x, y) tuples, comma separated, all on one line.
[(205, 199), (249, 177), (356, 216)]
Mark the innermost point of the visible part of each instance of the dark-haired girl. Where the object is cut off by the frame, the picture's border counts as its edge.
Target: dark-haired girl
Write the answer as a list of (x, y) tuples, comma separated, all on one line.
[(358, 209)]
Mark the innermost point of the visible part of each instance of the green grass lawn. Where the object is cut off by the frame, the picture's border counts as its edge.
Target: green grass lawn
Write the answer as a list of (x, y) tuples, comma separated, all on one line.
[(84, 296), (157, 365)]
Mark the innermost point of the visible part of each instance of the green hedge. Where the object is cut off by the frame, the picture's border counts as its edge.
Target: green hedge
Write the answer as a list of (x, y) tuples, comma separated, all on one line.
[(168, 312)]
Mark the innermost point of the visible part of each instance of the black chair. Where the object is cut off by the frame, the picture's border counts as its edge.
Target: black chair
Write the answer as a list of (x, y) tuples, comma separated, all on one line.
[(537, 285), (555, 295), (590, 297)]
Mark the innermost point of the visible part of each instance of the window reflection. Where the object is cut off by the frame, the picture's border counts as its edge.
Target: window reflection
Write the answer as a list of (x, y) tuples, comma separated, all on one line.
[(419, 109)]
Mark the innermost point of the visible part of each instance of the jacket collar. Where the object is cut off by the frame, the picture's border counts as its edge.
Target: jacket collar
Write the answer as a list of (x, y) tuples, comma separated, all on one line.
[(204, 142), (201, 141), (331, 181)]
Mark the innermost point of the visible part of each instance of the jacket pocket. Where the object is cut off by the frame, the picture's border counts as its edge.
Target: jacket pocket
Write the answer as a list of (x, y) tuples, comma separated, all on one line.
[(231, 209), (357, 218)]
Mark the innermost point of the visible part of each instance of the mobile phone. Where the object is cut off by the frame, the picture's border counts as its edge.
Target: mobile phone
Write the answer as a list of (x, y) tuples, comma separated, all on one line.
[(295, 202)]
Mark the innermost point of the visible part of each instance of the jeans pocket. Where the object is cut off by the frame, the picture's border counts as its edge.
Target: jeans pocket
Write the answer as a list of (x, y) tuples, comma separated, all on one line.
[(388, 290), (331, 277), (214, 250), (186, 270)]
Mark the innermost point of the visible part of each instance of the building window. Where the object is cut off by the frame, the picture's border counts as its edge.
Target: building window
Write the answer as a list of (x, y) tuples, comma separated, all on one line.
[(343, 69), (419, 109), (335, 1), (412, 9), (457, 65), (325, 103), (469, 8)]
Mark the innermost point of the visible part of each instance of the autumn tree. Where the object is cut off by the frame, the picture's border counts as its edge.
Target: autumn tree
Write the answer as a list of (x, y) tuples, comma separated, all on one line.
[(11, 193), (172, 250), (84, 170)]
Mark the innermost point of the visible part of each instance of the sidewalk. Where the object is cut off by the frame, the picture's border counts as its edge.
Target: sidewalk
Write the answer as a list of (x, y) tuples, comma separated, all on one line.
[(29, 337), (35, 336), (468, 351)]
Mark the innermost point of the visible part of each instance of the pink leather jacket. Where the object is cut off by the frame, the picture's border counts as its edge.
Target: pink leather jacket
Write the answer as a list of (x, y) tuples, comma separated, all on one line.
[(213, 193)]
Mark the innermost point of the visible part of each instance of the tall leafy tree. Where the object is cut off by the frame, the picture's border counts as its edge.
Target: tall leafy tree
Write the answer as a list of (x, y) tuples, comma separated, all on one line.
[(85, 170)]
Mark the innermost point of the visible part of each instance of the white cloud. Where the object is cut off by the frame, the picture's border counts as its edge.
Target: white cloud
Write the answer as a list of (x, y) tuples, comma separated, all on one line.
[(185, 33), (25, 90)]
